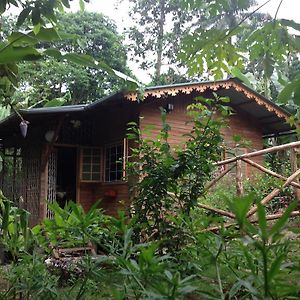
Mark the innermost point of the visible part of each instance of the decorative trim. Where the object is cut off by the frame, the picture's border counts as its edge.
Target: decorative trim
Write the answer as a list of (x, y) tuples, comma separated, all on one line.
[(202, 87)]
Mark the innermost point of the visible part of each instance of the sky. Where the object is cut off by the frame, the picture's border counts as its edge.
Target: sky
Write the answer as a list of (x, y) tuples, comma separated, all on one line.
[(289, 9)]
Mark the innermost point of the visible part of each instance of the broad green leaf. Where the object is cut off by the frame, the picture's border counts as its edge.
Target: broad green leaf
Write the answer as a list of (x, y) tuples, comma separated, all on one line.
[(236, 72), (288, 92), (47, 34), (18, 39), (82, 59), (14, 54), (268, 65), (36, 16), (36, 28), (23, 15)]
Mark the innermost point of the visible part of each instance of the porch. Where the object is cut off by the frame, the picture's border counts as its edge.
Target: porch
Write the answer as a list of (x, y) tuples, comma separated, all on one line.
[(68, 154)]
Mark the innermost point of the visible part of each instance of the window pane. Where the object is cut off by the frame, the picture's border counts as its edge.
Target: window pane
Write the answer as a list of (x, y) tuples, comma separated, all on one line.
[(113, 162), (96, 168), (86, 168), (91, 164), (86, 176), (96, 176)]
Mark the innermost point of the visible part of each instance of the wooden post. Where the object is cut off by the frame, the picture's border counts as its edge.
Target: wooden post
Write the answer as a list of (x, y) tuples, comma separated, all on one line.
[(255, 220), (258, 153), (239, 179), (217, 211), (274, 193), (294, 166), (268, 171)]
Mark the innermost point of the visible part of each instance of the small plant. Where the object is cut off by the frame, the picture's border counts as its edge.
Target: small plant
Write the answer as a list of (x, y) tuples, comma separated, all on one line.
[(71, 226), (15, 235)]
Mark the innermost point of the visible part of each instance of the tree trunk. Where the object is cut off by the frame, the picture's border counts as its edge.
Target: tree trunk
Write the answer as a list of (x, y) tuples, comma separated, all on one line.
[(160, 39)]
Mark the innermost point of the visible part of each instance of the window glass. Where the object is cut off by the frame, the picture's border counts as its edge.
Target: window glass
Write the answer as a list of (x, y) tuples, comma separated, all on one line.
[(91, 164), (114, 162)]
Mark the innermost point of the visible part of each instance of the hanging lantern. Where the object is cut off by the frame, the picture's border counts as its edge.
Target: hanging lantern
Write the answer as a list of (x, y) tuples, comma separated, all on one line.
[(24, 127)]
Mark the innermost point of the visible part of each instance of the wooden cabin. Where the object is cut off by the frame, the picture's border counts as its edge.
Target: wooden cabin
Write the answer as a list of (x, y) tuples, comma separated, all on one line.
[(71, 152)]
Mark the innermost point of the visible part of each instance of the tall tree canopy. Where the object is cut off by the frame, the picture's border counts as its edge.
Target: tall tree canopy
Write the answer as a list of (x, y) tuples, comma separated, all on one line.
[(42, 30), (161, 25), (154, 38), (49, 78), (255, 43)]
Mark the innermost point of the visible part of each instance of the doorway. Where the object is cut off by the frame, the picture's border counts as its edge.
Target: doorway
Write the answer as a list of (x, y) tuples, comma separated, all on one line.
[(66, 177)]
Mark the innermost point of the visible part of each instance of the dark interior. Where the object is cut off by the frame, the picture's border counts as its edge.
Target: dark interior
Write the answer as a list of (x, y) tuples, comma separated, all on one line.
[(66, 175)]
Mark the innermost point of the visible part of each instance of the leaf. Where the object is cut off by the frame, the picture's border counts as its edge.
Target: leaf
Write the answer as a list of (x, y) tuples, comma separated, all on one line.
[(275, 266), (81, 59), (36, 28), (268, 65), (287, 93), (235, 288), (66, 3), (236, 72), (277, 227), (81, 5), (262, 220), (21, 39), (55, 102), (36, 16), (14, 54), (23, 15), (47, 34), (290, 23)]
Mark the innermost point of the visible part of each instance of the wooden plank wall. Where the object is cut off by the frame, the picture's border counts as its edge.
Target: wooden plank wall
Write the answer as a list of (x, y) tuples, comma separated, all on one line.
[(237, 124)]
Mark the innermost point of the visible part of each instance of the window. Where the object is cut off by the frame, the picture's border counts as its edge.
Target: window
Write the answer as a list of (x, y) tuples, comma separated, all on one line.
[(103, 164), (114, 162), (91, 164)]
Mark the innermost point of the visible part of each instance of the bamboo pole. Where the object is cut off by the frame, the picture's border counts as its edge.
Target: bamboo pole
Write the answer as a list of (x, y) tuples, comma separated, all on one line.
[(277, 216), (217, 211), (294, 166), (214, 181), (268, 218), (274, 193), (239, 179), (258, 153), (268, 171)]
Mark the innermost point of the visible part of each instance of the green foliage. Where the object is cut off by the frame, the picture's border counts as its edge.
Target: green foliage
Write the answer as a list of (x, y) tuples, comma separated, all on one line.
[(71, 226), (252, 262), (157, 31), (83, 32), (171, 180), (41, 17), (16, 236)]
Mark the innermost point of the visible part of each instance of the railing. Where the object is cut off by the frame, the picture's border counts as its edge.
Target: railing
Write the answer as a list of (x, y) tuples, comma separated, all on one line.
[(236, 162)]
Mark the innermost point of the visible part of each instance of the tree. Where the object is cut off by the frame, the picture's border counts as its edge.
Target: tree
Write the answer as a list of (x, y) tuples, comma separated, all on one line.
[(265, 49), (48, 78), (20, 46), (155, 36), (161, 25)]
